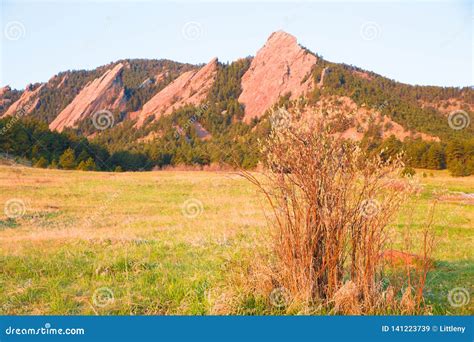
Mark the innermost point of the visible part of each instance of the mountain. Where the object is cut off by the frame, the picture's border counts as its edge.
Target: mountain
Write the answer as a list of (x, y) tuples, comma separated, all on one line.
[(103, 93), (190, 87), (279, 68), (137, 80), (166, 112), (27, 102)]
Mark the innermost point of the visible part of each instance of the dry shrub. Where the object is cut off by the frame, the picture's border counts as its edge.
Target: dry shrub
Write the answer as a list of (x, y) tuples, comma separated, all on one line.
[(346, 299), (331, 206), (407, 303)]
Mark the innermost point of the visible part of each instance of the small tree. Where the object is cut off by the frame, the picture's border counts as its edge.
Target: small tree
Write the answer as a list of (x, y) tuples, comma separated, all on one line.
[(83, 156), (53, 165), (68, 160), (88, 165), (42, 162), (458, 168)]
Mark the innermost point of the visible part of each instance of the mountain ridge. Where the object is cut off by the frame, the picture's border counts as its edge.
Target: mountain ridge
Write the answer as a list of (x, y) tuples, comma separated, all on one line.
[(176, 113), (103, 93), (272, 75), (278, 69)]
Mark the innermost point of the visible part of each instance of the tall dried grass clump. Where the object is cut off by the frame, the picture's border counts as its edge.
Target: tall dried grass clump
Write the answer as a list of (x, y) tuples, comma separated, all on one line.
[(331, 206)]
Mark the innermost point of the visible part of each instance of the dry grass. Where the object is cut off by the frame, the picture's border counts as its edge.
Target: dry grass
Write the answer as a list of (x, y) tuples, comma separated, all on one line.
[(157, 261), (331, 209)]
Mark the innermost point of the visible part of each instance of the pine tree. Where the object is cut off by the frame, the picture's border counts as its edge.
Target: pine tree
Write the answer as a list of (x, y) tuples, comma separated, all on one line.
[(390, 147), (435, 158), (67, 160), (458, 168), (53, 165), (42, 163), (454, 151), (83, 156), (88, 165)]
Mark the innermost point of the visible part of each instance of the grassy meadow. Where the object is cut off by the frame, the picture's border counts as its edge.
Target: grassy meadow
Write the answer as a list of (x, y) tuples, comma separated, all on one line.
[(173, 242)]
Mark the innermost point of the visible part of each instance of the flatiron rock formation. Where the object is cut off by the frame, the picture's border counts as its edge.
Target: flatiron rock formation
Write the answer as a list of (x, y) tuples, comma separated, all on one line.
[(103, 93), (281, 66)]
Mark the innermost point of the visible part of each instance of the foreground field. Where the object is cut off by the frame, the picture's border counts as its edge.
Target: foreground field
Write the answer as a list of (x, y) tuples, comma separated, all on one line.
[(177, 242)]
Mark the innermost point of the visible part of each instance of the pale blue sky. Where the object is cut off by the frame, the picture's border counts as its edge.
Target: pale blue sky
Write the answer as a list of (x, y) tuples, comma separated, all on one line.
[(413, 42)]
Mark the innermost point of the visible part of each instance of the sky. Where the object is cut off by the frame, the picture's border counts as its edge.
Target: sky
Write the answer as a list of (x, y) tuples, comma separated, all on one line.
[(415, 42)]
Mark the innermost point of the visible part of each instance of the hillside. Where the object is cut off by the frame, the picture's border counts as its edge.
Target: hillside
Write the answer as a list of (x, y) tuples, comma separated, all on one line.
[(159, 112)]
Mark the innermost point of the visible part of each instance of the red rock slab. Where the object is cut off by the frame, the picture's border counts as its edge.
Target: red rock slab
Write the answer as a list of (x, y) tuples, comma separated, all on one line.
[(280, 66), (103, 93), (192, 87)]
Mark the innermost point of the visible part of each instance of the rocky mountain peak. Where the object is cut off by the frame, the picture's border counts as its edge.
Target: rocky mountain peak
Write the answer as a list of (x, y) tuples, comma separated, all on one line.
[(4, 90), (103, 93), (27, 102), (280, 67), (191, 87), (281, 38)]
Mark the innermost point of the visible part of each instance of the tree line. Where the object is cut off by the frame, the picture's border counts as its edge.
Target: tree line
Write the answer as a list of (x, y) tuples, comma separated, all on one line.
[(457, 156), (32, 140)]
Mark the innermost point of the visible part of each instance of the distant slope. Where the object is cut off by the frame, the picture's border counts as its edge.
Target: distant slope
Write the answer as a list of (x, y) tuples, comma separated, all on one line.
[(140, 80), (400, 102), (27, 102), (191, 87), (104, 93)]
